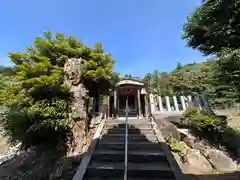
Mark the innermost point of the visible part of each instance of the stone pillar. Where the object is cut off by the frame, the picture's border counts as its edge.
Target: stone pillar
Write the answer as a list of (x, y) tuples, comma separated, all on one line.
[(168, 103), (160, 104), (204, 101), (196, 101), (183, 103), (189, 100), (175, 103), (139, 103), (93, 105), (115, 102), (152, 106), (109, 107), (101, 108)]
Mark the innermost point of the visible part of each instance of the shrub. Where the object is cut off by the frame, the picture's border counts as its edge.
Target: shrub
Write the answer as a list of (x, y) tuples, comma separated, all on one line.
[(213, 128), (174, 145), (189, 115), (208, 124), (21, 126), (231, 139)]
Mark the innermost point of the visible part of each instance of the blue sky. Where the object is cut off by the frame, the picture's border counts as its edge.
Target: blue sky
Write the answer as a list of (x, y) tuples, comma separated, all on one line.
[(142, 35)]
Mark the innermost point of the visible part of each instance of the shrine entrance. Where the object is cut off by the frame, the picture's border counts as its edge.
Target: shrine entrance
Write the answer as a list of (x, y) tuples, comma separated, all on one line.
[(135, 93)]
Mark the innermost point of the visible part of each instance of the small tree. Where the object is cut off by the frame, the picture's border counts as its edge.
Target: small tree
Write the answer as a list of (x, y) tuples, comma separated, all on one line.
[(41, 98)]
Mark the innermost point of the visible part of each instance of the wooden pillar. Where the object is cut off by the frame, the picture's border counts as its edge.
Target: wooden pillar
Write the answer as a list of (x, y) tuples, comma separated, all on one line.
[(108, 107), (139, 103), (115, 102), (101, 108), (146, 105), (93, 105)]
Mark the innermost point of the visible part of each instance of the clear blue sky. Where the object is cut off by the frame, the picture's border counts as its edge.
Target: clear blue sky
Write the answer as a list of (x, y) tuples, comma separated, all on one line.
[(142, 35)]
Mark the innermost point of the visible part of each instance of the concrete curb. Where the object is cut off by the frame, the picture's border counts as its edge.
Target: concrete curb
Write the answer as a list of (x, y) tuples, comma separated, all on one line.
[(171, 160)]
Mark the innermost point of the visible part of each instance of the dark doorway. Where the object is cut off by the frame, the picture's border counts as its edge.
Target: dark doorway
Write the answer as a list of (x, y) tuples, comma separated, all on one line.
[(111, 106), (131, 105), (142, 101)]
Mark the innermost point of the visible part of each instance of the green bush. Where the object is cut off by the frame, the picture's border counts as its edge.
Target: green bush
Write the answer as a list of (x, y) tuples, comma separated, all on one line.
[(189, 115), (231, 139), (213, 128), (173, 144), (205, 123)]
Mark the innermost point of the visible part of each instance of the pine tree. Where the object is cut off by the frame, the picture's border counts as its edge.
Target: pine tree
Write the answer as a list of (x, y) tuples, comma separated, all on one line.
[(40, 97)]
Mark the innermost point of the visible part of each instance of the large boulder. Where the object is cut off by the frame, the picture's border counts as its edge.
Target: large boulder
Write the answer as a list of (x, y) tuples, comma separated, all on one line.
[(221, 161), (168, 129), (196, 163)]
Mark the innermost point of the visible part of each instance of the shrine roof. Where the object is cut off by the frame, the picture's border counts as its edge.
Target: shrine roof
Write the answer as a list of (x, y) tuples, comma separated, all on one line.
[(130, 81)]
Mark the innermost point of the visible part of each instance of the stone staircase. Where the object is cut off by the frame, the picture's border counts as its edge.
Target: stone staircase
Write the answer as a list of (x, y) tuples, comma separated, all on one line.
[(146, 158), (130, 113)]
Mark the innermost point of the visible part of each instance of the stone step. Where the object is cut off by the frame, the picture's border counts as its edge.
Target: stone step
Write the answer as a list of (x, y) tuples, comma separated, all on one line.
[(121, 146), (130, 138), (128, 178), (134, 126), (143, 170), (135, 141), (130, 121), (130, 131), (104, 171), (134, 156), (131, 114)]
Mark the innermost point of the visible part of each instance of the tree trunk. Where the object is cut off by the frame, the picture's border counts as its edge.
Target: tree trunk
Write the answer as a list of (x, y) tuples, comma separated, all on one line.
[(78, 108)]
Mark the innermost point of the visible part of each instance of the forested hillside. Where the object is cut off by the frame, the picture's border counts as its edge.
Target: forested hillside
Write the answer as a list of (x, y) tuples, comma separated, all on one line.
[(190, 79), (213, 29)]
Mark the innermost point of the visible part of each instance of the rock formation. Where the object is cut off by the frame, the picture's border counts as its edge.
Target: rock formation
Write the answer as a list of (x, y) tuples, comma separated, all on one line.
[(196, 163), (221, 161)]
